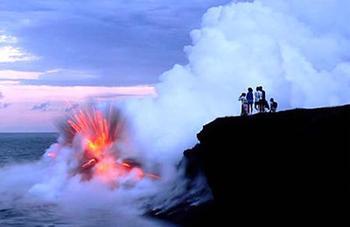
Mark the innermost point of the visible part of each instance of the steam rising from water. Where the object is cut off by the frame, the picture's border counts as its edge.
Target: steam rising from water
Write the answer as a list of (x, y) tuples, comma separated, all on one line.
[(298, 51), (112, 192)]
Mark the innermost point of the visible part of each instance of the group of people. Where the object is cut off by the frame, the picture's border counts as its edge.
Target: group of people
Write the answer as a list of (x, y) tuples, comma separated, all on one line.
[(258, 99)]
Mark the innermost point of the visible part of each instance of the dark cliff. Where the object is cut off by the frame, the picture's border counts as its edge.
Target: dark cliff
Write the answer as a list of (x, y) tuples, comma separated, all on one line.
[(291, 165)]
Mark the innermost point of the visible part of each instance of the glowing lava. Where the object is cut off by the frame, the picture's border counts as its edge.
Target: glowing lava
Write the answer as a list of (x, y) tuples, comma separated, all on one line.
[(95, 128), (99, 133)]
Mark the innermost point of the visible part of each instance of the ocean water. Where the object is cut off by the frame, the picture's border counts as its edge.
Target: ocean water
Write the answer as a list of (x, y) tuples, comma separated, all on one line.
[(26, 149)]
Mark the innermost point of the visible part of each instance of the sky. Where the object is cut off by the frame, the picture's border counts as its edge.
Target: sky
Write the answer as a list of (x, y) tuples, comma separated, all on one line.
[(57, 54), (193, 56)]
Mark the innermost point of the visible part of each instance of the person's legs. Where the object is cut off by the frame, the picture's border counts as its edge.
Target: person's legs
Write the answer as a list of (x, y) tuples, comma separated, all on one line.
[(261, 105), (266, 105), (244, 111)]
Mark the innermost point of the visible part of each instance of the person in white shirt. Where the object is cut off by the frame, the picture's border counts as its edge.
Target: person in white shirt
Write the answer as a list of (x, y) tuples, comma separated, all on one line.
[(244, 106), (258, 97)]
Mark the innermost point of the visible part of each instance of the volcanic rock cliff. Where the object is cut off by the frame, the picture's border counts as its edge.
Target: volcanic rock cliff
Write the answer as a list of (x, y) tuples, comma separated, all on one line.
[(291, 166)]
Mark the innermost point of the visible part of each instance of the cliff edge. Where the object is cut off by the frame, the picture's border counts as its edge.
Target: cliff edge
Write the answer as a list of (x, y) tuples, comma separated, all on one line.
[(292, 165)]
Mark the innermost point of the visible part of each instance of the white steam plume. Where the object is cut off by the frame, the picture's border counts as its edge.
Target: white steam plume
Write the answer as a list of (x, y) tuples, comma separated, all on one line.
[(298, 51)]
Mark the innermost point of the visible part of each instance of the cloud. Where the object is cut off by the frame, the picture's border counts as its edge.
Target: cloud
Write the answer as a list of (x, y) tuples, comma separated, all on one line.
[(42, 106), (116, 42), (4, 105), (116, 95), (9, 82), (53, 76), (71, 107), (19, 75), (65, 77), (36, 107), (40, 93), (7, 39), (10, 54)]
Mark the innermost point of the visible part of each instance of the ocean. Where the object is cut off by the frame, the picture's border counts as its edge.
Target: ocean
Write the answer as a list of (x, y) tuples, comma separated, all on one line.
[(24, 147), (19, 155)]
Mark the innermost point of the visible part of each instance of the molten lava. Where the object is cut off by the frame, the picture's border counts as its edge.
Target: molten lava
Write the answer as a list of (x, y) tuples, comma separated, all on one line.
[(94, 127), (100, 132), (52, 154)]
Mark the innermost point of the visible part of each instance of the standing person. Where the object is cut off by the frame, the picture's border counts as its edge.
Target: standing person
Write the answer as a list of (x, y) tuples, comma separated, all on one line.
[(273, 105), (244, 106), (263, 103), (250, 99), (257, 96)]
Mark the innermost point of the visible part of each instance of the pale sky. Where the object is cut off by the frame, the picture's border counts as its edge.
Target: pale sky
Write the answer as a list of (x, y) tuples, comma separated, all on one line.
[(57, 54)]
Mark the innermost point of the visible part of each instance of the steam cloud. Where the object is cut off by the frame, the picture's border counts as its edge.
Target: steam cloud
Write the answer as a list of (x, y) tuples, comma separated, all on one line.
[(298, 51)]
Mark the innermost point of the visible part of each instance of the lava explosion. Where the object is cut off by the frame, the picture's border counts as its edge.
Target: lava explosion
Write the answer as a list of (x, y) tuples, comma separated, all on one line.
[(98, 139)]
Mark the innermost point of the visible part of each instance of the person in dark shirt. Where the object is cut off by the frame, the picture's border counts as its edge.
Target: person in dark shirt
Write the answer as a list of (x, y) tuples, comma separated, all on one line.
[(273, 105), (250, 99)]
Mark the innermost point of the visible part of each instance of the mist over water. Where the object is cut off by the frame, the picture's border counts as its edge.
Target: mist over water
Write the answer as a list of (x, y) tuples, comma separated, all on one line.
[(34, 193), (297, 50)]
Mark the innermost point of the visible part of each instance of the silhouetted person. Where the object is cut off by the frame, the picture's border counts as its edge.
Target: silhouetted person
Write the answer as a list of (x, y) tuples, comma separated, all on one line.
[(250, 100), (244, 106), (257, 96), (273, 106), (263, 102)]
